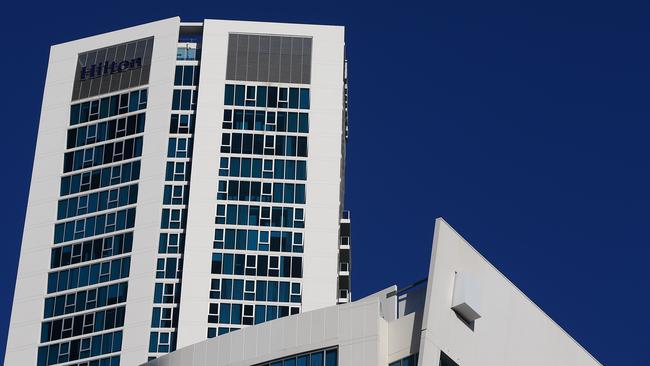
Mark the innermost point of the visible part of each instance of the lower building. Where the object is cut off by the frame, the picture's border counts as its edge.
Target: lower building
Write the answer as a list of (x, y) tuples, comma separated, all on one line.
[(464, 313)]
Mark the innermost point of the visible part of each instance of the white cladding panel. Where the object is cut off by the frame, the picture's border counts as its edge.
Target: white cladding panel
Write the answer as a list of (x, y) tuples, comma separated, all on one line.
[(356, 329), (512, 330)]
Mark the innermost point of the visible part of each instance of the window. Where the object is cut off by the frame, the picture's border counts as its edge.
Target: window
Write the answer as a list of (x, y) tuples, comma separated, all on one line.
[(444, 360), (162, 342), (163, 317), (171, 243), (179, 148), (175, 195), (173, 218), (166, 293), (215, 289)]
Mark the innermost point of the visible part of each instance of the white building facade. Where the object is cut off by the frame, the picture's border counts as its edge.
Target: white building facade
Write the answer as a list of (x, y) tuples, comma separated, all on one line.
[(187, 182), (465, 313)]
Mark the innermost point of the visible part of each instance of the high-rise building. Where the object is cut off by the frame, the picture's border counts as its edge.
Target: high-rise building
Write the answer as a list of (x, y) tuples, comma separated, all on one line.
[(188, 181)]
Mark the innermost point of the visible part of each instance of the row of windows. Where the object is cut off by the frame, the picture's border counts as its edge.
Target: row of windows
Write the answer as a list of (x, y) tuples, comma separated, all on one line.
[(178, 171), (164, 317), (235, 190), (162, 342), (253, 120), (274, 241), (107, 130), (327, 357), (100, 178), (80, 348), (180, 147), (262, 216), (169, 267), (212, 332), (96, 225), (103, 154), (108, 361), (184, 100), (255, 290), (88, 275), (186, 75), (257, 265), (82, 324), (86, 300), (259, 144), (237, 314), (182, 123), (108, 107), (263, 168), (263, 96), (97, 201), (91, 250), (166, 293)]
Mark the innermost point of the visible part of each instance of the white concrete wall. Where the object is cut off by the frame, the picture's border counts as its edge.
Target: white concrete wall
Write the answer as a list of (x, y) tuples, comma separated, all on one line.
[(512, 330), (31, 282), (323, 168), (354, 328)]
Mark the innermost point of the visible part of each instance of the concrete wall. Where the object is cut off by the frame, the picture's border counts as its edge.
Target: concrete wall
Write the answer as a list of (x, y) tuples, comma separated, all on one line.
[(355, 328), (512, 330)]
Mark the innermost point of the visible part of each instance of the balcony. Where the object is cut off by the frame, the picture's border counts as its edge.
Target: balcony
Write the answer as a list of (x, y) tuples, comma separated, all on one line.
[(344, 269), (345, 217), (344, 242), (343, 296)]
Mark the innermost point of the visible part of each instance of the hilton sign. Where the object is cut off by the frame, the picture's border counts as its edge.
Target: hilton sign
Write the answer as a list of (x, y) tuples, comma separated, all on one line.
[(107, 68), (113, 68)]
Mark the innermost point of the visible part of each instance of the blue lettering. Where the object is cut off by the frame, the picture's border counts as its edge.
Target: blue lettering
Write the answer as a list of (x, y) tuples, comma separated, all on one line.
[(104, 68)]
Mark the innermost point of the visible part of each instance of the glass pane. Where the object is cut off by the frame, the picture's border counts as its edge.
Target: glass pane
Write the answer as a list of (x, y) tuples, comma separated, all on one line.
[(331, 358), (317, 359), (303, 360)]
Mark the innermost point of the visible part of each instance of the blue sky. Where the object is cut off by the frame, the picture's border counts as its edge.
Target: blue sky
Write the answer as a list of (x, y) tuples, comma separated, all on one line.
[(524, 125)]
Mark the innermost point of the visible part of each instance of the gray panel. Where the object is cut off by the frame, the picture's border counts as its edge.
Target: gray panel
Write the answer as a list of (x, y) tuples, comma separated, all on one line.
[(295, 69), (253, 57), (232, 57), (263, 66), (110, 56), (95, 84), (130, 55), (306, 60), (146, 62), (83, 93), (121, 55), (242, 57), (274, 64), (105, 84), (76, 88), (98, 72), (267, 58), (285, 60), (137, 73)]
